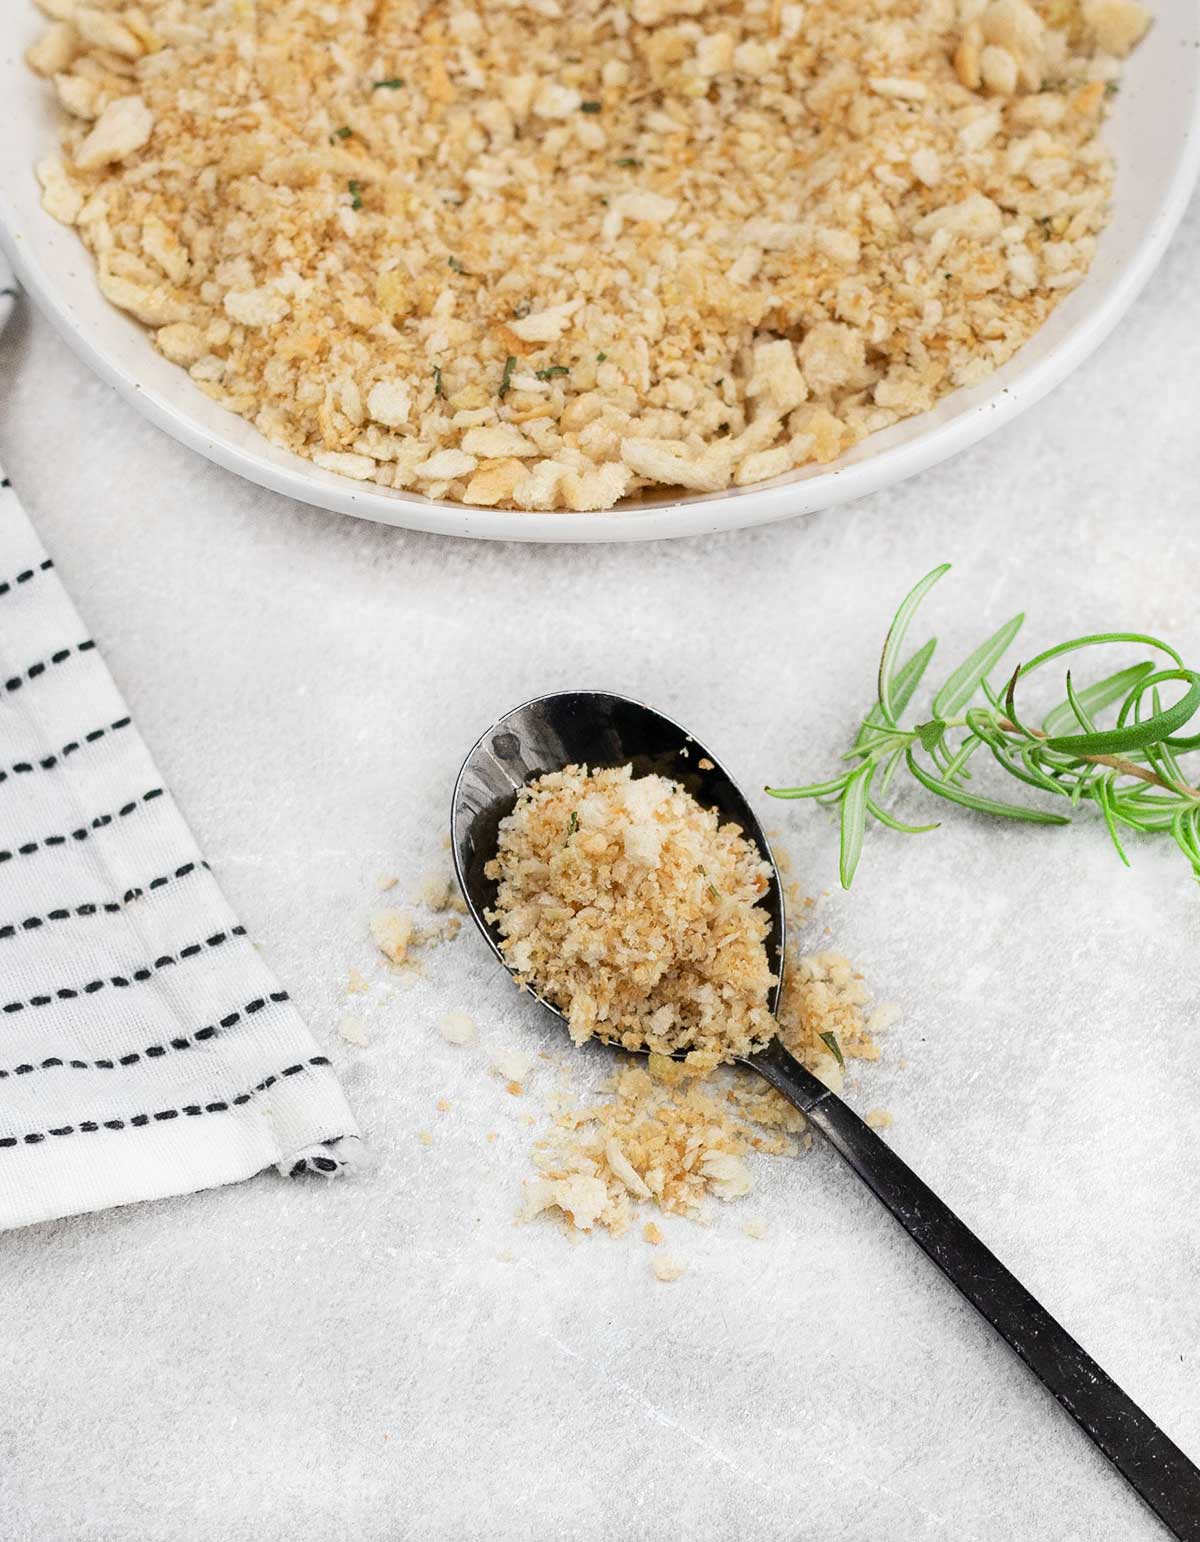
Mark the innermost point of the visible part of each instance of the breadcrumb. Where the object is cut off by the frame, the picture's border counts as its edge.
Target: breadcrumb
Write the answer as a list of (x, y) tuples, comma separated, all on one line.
[(354, 1031), (391, 931), (456, 1028), (637, 912), (496, 253), (686, 1137), (667, 1268)]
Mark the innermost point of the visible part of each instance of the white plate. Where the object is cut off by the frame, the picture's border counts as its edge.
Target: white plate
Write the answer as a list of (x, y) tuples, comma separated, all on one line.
[(1154, 130)]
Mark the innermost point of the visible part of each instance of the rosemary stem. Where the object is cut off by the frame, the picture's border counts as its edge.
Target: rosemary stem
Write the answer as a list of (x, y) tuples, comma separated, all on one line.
[(1117, 763)]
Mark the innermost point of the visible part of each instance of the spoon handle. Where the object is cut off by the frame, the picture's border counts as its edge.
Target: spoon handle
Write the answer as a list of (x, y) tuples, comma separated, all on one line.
[(1154, 1465)]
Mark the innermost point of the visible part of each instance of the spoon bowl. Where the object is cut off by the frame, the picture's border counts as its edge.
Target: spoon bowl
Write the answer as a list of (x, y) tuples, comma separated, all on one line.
[(599, 729)]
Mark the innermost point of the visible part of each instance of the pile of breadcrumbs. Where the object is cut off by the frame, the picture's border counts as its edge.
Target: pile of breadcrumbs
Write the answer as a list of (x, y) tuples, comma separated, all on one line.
[(636, 912), (549, 253), (666, 1137)]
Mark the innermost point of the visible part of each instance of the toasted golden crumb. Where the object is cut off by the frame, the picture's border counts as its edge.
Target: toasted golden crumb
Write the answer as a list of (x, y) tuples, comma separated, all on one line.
[(497, 254), (652, 1233), (356, 985), (668, 1268), (391, 931), (384, 884), (879, 1119), (425, 1137), (636, 911), (442, 1105), (664, 1135)]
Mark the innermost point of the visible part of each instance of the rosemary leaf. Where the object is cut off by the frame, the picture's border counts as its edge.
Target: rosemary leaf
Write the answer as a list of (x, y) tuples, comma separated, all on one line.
[(1094, 698), (964, 682), (854, 821), (1120, 740), (908, 677), (1035, 816), (895, 640)]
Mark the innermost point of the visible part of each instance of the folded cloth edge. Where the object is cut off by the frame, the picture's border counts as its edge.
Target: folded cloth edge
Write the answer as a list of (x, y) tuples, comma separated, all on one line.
[(293, 1118)]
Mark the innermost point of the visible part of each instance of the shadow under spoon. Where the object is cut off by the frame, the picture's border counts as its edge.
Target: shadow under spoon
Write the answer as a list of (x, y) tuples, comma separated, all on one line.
[(597, 729)]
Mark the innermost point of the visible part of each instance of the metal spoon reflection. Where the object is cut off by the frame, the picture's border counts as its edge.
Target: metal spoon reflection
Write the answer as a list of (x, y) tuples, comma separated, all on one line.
[(599, 729)]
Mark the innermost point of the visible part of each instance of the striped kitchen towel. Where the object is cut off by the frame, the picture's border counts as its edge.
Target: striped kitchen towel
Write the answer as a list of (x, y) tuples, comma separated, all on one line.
[(145, 1047)]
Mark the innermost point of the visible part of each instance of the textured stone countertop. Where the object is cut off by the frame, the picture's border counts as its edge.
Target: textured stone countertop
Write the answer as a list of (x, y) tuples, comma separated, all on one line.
[(389, 1357)]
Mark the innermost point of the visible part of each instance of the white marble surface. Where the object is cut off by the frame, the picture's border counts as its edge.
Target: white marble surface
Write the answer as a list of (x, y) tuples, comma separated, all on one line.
[(389, 1358)]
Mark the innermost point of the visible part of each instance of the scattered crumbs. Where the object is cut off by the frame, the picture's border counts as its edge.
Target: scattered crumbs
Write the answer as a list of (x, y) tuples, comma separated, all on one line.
[(755, 1227), (391, 931), (783, 862), (652, 1233), (879, 1119), (442, 1105), (704, 764), (491, 1136), (515, 1089), (385, 883), (505, 1255), (354, 1031), (456, 1028), (425, 1137), (356, 985), (667, 1268), (662, 1133)]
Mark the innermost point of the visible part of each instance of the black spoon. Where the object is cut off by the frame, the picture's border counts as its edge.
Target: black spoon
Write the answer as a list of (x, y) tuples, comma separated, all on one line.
[(597, 729)]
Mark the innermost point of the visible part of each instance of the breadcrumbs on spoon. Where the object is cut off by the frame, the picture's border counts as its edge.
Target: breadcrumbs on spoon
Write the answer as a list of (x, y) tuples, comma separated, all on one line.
[(637, 913)]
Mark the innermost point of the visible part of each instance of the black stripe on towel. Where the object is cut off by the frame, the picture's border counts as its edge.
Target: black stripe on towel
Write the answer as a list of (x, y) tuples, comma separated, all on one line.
[(102, 907), (101, 822), (48, 762), (121, 981), (15, 682), (139, 1121), (25, 575), (151, 1051)]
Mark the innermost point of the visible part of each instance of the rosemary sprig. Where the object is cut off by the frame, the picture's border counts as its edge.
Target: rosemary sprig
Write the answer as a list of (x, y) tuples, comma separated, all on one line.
[(1129, 770)]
